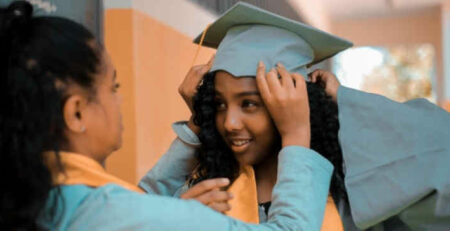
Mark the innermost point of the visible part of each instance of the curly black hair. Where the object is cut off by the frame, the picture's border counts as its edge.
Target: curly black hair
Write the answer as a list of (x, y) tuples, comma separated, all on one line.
[(38, 57), (215, 159)]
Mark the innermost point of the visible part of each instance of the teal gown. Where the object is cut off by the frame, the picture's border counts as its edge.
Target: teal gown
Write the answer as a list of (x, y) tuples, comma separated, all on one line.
[(397, 161), (112, 207)]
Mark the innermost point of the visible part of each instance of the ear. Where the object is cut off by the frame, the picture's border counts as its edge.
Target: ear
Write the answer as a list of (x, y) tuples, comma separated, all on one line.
[(73, 116)]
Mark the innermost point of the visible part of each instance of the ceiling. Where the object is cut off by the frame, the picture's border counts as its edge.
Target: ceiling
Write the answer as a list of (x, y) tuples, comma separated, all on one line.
[(341, 9)]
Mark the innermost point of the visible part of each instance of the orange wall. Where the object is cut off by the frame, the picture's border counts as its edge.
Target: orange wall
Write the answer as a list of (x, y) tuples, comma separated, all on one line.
[(152, 60), (414, 28), (163, 57), (119, 43), (447, 106)]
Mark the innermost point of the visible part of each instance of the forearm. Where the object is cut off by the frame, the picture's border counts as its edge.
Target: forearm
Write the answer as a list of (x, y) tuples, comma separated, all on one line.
[(170, 172), (302, 188)]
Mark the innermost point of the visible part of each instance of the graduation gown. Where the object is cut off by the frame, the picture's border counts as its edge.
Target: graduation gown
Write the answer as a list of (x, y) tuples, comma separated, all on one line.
[(107, 203), (397, 161)]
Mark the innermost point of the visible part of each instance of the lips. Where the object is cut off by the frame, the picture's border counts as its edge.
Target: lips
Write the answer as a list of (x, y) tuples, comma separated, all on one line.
[(240, 142), (239, 145)]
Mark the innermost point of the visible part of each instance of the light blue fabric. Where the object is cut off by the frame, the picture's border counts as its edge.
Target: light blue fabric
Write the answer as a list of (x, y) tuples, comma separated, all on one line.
[(114, 208), (397, 159), (324, 45), (245, 35), (244, 46)]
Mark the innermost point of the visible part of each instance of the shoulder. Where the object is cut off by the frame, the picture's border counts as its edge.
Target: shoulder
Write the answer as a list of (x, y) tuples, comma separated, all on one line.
[(112, 207)]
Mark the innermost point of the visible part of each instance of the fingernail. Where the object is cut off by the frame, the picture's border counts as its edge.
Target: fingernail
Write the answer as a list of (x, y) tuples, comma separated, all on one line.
[(260, 64), (280, 65), (230, 195), (225, 181)]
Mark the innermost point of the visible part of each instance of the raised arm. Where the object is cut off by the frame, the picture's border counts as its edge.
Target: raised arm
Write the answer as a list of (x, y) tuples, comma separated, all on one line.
[(114, 208)]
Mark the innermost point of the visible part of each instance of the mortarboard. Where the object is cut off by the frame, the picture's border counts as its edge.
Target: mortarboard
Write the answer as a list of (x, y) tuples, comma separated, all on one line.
[(246, 34)]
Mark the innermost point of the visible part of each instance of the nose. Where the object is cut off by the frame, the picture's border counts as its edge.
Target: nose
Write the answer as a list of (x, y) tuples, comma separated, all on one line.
[(233, 121)]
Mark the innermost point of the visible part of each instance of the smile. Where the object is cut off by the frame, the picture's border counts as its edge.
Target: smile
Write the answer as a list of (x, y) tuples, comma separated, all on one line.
[(239, 145), (240, 142)]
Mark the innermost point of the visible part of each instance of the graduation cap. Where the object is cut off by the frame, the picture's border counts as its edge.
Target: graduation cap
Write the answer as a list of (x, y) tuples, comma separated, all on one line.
[(246, 34)]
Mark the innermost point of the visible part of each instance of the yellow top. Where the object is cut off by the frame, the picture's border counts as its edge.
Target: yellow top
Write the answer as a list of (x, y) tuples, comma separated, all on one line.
[(80, 169), (244, 206)]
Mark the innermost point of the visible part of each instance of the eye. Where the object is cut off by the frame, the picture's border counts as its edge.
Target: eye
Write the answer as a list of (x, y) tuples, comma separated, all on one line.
[(249, 104), (220, 105)]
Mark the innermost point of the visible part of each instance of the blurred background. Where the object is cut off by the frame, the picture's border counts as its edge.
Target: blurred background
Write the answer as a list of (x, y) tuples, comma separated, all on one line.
[(402, 51)]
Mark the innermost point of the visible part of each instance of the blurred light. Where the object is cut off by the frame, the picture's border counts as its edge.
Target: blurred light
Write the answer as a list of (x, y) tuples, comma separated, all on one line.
[(353, 65)]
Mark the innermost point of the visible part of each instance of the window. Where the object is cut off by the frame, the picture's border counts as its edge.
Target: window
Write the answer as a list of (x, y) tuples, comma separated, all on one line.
[(400, 72)]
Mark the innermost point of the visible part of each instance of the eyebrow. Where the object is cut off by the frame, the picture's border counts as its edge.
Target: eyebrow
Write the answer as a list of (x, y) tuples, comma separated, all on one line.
[(242, 94), (248, 93)]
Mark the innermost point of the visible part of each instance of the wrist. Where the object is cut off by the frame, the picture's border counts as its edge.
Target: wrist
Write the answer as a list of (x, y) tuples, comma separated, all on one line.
[(301, 137), (194, 128), (334, 93)]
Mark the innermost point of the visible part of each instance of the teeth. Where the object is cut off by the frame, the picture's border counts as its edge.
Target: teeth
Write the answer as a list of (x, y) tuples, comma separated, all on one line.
[(240, 142)]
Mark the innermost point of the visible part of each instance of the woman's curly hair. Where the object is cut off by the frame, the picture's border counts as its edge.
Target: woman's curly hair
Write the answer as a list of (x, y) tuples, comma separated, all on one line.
[(215, 159)]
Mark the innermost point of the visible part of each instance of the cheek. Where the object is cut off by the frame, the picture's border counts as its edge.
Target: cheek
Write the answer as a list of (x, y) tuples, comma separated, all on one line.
[(264, 131), (261, 124), (220, 119), (114, 113), (109, 113)]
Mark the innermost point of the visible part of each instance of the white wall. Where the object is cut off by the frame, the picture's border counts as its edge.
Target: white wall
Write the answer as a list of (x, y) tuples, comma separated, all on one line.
[(184, 16)]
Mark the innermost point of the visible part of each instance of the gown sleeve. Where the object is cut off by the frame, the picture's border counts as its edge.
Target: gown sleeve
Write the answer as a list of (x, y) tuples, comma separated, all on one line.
[(114, 208), (169, 174), (397, 158)]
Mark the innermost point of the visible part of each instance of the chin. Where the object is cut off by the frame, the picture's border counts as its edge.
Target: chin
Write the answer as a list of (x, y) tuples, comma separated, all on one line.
[(247, 159), (117, 145)]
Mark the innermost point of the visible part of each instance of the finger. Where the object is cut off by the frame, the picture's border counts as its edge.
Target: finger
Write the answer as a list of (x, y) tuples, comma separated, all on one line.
[(196, 72), (313, 76), (273, 82), (310, 76), (196, 75), (317, 76), (214, 196), (205, 186), (261, 81), (320, 76), (300, 83), (220, 207), (286, 78)]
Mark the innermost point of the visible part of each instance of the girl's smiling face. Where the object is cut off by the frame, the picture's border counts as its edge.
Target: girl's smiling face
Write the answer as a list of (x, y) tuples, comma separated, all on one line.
[(243, 120)]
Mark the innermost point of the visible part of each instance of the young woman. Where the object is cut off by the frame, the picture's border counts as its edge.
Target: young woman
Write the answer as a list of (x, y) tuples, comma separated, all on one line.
[(61, 120), (236, 126), (236, 130), (393, 156)]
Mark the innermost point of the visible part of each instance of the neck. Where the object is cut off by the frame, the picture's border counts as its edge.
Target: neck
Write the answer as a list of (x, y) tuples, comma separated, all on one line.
[(266, 177), (82, 148)]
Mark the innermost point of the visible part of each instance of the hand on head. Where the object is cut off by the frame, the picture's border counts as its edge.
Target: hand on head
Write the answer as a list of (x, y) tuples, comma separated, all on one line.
[(328, 80), (287, 103), (189, 86)]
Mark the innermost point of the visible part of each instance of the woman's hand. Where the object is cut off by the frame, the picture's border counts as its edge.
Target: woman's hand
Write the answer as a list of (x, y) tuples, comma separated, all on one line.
[(209, 193), (287, 103), (188, 88), (328, 80)]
